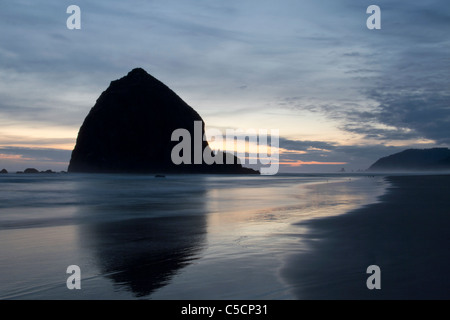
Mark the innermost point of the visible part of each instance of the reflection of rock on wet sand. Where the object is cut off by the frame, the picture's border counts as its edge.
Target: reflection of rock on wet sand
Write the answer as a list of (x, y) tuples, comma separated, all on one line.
[(141, 239), (143, 254)]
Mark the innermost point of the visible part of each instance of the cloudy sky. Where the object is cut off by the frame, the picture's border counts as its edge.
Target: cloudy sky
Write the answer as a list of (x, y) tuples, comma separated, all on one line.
[(340, 94)]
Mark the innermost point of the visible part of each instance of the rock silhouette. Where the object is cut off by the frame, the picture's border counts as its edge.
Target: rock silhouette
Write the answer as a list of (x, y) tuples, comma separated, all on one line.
[(4, 171), (31, 170), (434, 159), (129, 130)]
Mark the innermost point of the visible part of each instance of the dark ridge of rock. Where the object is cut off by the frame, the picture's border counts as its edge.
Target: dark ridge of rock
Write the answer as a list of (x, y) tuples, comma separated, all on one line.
[(129, 130), (48, 171), (4, 171), (31, 170), (435, 159)]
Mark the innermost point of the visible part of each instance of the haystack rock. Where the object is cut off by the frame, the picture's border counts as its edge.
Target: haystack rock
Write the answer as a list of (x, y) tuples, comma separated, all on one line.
[(129, 130)]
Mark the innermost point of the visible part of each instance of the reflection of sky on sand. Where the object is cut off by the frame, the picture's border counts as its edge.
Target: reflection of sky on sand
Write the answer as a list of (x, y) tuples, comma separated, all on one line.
[(251, 230)]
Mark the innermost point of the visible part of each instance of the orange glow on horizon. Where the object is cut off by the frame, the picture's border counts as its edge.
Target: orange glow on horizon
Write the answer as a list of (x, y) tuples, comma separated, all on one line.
[(65, 146), (299, 163), (38, 137)]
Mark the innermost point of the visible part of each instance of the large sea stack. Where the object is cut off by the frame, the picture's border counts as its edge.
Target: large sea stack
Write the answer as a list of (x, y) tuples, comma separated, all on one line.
[(129, 130)]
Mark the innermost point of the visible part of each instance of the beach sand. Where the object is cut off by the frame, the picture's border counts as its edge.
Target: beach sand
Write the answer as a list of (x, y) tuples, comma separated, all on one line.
[(406, 234)]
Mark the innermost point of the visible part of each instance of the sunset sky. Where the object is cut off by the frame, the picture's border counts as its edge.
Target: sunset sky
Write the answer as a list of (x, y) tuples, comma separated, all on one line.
[(340, 94)]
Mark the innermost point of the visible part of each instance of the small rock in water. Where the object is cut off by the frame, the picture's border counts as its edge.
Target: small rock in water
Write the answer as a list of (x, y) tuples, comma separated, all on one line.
[(31, 170)]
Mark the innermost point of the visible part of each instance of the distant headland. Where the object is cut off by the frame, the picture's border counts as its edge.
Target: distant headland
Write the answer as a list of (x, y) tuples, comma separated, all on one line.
[(30, 171), (435, 159), (129, 130)]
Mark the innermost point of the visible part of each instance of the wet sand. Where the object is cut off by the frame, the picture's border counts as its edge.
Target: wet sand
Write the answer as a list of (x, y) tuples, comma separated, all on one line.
[(407, 234)]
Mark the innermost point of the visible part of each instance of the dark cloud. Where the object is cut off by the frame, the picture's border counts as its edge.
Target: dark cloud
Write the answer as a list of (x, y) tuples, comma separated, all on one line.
[(401, 76), (35, 114), (38, 154), (356, 157), (427, 115), (305, 145), (411, 91), (6, 140)]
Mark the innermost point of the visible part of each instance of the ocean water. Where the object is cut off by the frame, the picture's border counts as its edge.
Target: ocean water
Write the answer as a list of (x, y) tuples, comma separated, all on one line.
[(178, 237)]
